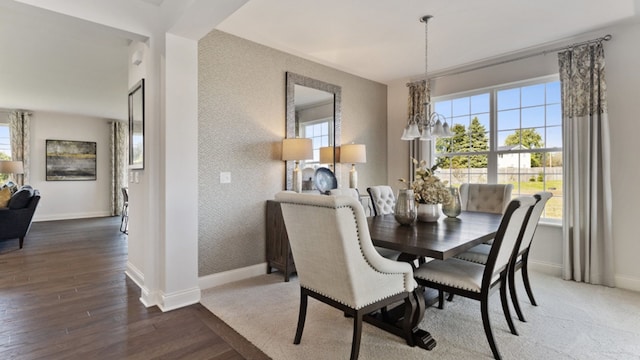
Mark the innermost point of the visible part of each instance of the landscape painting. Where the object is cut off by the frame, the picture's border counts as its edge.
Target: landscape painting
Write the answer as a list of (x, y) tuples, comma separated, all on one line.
[(71, 160)]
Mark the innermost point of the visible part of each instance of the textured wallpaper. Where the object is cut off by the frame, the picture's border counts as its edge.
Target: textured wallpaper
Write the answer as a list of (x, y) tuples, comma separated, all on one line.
[(241, 125)]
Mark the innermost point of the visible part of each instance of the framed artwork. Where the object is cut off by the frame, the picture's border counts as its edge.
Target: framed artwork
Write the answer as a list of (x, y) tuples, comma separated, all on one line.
[(70, 160), (136, 126)]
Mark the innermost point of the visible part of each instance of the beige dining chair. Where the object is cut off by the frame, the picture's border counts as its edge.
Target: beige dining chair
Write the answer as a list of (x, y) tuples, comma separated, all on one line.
[(338, 265), (485, 197), (480, 253), (382, 199), (477, 281), (346, 192)]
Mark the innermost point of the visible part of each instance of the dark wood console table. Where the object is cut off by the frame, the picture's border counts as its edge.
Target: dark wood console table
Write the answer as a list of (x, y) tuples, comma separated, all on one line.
[(278, 251)]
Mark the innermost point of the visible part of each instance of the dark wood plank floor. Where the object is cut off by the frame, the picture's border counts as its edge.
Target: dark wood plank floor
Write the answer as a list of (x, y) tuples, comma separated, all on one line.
[(65, 296)]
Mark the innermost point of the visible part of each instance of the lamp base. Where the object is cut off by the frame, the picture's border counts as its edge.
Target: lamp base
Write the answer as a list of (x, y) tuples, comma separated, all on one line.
[(297, 179), (353, 177)]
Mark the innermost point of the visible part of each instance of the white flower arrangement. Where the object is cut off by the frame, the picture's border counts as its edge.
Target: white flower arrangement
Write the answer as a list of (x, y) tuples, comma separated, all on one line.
[(428, 188)]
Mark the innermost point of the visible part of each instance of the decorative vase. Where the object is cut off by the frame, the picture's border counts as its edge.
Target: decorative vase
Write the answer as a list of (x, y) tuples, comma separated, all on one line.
[(453, 208), (428, 212), (405, 211)]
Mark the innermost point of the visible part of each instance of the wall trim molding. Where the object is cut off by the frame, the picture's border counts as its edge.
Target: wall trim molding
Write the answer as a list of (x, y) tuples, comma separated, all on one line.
[(147, 298), (628, 283), (622, 281), (546, 268), (225, 277), (71, 216), (178, 299)]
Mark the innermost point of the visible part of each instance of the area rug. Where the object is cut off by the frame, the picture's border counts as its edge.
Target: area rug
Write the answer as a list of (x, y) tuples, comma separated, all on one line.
[(572, 321)]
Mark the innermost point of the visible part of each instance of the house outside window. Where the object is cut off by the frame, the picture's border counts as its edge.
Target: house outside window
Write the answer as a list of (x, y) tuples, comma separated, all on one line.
[(509, 134)]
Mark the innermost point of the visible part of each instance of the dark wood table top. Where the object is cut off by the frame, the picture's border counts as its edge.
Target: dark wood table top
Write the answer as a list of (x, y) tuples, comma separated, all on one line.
[(440, 240)]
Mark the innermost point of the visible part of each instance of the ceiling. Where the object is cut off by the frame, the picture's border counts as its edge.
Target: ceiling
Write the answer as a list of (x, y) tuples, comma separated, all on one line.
[(58, 63), (384, 40)]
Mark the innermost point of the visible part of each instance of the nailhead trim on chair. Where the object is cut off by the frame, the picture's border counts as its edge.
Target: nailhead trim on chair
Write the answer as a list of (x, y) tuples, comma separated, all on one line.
[(360, 246)]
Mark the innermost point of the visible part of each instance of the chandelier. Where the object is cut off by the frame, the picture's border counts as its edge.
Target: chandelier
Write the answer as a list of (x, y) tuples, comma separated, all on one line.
[(431, 125)]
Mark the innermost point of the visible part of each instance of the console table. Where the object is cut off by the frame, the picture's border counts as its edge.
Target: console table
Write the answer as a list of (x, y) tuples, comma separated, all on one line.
[(278, 251), (279, 255)]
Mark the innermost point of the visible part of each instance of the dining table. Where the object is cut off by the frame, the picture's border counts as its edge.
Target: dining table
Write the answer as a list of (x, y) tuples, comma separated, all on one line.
[(439, 240)]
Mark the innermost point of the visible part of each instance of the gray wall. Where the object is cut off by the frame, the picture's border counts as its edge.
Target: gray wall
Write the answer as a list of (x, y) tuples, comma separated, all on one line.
[(241, 126)]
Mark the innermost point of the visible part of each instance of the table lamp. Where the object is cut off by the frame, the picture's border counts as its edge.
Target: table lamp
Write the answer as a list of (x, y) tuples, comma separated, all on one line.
[(11, 167), (353, 154), (326, 155), (297, 149)]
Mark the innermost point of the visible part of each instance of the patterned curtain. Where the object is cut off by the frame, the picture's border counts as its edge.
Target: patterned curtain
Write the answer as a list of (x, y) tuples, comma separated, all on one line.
[(119, 145), (20, 132), (417, 97), (419, 94), (587, 218)]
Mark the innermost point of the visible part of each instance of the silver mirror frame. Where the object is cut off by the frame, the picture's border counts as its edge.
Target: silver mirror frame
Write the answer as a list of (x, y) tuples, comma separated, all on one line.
[(292, 80)]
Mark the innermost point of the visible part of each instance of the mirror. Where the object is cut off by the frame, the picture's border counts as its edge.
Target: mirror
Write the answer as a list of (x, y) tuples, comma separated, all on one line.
[(313, 111), (136, 126)]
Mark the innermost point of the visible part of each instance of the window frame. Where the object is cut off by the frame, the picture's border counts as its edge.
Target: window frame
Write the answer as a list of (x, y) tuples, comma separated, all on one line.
[(493, 153)]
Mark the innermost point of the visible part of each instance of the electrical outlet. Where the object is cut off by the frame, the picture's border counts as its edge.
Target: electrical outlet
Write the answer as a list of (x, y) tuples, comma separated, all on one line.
[(225, 177)]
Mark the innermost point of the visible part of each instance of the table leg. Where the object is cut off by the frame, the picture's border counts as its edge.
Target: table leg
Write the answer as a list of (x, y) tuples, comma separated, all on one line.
[(392, 320)]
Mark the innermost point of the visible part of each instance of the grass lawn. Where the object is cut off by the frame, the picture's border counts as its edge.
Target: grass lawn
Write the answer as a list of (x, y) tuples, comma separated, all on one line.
[(553, 209)]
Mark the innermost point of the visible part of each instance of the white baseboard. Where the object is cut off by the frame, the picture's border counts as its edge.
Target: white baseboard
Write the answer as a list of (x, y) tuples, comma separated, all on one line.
[(134, 274), (179, 299), (622, 282), (629, 283), (147, 297), (546, 268), (213, 280), (70, 216)]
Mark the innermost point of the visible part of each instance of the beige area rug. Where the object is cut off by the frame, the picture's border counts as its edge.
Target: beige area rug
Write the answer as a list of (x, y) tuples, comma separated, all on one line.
[(572, 321)]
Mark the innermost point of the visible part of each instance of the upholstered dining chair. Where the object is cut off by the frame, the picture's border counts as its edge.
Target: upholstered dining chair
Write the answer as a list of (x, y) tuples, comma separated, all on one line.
[(492, 198), (382, 199), (346, 192), (124, 219), (337, 263), (480, 254), (477, 281)]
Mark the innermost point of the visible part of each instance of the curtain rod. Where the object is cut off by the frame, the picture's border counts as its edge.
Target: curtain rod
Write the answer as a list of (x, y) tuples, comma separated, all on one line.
[(543, 52)]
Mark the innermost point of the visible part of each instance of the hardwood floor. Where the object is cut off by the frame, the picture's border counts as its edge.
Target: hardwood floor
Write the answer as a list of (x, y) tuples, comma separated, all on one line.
[(65, 296)]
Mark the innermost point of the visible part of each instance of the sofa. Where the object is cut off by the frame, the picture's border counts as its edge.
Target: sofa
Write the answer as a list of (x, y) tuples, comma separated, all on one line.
[(16, 213)]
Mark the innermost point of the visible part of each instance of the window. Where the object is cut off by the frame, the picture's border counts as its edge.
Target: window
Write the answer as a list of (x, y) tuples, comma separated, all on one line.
[(506, 134), (5, 148), (319, 133)]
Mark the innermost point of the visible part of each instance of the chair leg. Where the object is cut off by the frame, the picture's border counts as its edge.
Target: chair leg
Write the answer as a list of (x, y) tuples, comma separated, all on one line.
[(484, 309), (525, 278), (440, 299), (357, 334), (450, 298), (21, 241), (505, 307), (514, 295), (302, 315)]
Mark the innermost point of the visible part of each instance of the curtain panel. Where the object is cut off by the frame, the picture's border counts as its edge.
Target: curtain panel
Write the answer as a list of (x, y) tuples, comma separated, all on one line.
[(20, 133), (419, 94), (587, 209), (119, 145)]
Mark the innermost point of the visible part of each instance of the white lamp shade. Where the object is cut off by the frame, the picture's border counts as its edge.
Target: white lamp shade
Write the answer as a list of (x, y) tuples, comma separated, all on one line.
[(11, 167), (426, 134), (353, 153), (446, 130), (297, 149), (326, 154), (413, 131), (437, 129)]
